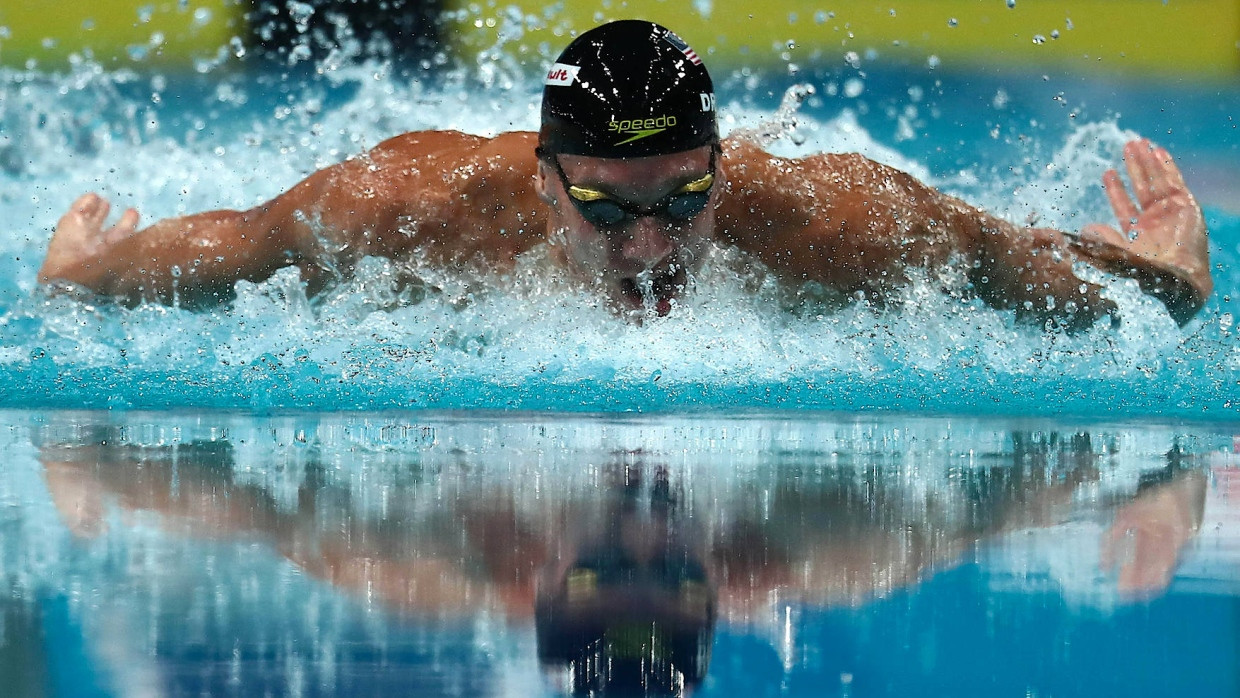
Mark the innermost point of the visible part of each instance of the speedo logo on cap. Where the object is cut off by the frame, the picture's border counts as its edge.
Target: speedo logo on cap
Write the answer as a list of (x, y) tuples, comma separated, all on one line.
[(637, 129), (562, 74)]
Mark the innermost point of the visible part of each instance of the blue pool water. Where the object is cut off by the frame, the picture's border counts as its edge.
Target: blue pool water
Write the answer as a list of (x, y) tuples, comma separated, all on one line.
[(368, 554), (353, 494), (1018, 144)]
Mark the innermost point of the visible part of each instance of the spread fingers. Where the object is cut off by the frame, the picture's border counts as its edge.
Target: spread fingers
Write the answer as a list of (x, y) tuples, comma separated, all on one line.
[(89, 211), (85, 203), (1172, 178), (97, 213), (1143, 170), (1125, 210), (125, 227)]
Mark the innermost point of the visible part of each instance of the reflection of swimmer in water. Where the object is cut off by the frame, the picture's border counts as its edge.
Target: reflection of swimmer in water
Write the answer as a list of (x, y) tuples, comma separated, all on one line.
[(628, 183), (625, 581), (629, 609)]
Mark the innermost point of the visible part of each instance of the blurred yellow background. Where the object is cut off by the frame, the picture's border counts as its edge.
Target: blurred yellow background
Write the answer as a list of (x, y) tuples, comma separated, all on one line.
[(168, 33), (1198, 38)]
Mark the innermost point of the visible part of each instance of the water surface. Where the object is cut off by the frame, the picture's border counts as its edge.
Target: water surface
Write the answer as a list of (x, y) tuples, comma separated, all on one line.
[(206, 553)]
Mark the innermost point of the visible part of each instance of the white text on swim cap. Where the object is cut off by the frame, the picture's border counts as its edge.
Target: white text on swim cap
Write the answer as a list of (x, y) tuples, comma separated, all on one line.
[(562, 75), (708, 101)]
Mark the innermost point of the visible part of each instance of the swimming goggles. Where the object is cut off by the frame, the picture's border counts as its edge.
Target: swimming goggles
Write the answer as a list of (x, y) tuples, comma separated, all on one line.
[(602, 210), (611, 568)]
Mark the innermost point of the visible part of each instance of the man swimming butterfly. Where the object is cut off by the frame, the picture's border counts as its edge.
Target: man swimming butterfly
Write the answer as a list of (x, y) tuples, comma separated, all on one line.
[(626, 184)]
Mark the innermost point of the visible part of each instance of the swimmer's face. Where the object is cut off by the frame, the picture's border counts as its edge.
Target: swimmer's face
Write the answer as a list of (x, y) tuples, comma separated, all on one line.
[(664, 212)]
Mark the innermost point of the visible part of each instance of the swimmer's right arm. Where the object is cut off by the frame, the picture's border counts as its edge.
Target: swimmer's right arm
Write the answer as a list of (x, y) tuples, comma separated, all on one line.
[(420, 192), (199, 256)]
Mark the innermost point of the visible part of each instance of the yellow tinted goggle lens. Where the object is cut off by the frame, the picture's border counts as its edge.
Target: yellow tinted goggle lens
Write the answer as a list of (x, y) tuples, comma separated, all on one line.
[(684, 204)]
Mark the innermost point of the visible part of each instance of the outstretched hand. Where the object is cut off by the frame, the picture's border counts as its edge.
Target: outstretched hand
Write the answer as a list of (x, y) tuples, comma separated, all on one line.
[(81, 237), (1163, 242)]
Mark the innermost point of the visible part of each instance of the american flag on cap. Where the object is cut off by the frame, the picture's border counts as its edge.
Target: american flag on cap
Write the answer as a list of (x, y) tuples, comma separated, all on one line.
[(681, 46)]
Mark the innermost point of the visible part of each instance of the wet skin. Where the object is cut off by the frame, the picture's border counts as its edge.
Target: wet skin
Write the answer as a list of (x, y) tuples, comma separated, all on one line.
[(452, 200), (640, 261)]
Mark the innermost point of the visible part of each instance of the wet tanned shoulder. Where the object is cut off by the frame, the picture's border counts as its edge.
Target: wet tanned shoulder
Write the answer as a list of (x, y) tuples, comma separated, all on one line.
[(452, 197), (838, 219)]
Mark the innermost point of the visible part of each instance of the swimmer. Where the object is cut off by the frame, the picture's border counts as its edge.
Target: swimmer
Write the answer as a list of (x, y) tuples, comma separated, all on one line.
[(627, 183)]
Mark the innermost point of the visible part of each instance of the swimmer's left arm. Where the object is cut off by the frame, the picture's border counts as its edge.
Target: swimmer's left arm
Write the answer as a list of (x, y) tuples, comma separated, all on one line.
[(1164, 243), (855, 225), (1164, 247)]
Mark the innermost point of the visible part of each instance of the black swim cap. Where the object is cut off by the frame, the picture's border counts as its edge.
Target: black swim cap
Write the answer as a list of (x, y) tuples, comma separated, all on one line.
[(629, 88)]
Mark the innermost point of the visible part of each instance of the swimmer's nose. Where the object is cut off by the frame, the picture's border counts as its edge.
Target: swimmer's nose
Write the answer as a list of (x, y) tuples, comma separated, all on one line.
[(649, 243)]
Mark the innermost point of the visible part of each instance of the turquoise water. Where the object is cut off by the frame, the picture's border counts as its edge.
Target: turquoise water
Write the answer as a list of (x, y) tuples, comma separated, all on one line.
[(186, 554), (1021, 147), (350, 494)]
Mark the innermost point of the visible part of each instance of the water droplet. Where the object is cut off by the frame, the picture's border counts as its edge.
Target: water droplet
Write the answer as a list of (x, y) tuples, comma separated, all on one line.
[(301, 13), (300, 52), (953, 22), (1011, 4), (1039, 39)]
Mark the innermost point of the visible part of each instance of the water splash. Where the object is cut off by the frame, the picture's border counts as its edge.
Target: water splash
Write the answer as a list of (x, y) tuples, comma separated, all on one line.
[(529, 340)]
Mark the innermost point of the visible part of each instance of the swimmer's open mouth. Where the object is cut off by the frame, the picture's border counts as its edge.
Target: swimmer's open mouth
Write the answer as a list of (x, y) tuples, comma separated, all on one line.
[(662, 288)]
